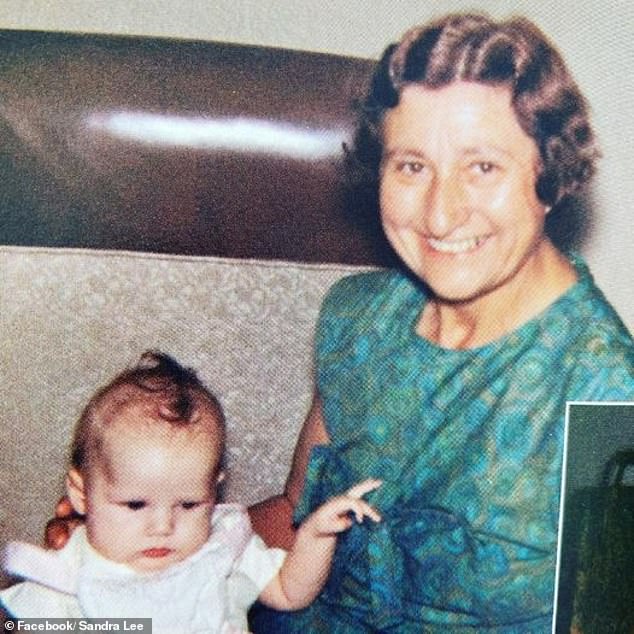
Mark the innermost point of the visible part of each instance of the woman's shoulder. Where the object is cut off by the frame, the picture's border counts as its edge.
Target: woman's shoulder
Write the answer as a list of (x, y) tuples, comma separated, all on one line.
[(363, 289), (597, 346), (372, 304), (597, 319)]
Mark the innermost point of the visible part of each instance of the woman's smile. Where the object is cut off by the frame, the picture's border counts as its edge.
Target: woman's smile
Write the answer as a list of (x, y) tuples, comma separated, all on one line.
[(465, 245)]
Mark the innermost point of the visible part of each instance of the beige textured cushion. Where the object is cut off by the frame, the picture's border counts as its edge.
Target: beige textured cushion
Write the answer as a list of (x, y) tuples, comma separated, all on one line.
[(71, 319)]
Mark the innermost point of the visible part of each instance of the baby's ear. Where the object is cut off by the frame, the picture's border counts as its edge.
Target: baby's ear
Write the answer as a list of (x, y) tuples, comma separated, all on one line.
[(76, 490)]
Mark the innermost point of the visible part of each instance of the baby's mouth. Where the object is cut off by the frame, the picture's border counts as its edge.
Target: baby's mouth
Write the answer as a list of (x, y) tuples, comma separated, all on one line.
[(157, 553)]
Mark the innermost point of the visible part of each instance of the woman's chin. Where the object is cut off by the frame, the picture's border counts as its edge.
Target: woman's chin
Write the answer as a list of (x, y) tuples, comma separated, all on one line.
[(458, 289)]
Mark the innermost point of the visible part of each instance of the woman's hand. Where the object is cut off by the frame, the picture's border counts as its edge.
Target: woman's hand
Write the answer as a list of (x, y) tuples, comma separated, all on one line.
[(272, 519), (59, 529)]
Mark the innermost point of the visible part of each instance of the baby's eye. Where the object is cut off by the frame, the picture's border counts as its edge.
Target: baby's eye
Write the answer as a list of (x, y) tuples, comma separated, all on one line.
[(135, 505), (188, 505)]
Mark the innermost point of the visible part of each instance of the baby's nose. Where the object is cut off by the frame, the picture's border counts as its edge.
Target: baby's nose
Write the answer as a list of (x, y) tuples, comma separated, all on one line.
[(161, 522)]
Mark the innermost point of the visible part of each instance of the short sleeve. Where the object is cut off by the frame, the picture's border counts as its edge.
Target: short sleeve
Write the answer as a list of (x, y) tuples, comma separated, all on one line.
[(253, 570)]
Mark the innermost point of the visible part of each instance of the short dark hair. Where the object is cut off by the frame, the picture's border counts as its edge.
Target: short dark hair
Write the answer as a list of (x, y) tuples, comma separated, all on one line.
[(515, 53), (176, 393)]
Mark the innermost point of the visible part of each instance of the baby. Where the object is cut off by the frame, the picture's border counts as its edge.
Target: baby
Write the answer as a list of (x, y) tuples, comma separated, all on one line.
[(146, 461)]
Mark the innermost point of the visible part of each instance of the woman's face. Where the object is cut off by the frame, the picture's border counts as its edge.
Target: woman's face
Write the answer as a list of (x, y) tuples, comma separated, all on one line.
[(458, 199)]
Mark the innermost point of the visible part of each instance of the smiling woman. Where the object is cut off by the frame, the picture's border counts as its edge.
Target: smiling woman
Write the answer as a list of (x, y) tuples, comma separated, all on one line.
[(459, 205), (448, 381)]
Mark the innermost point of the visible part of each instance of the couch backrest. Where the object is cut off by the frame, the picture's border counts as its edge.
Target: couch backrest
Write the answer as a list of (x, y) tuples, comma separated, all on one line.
[(184, 147)]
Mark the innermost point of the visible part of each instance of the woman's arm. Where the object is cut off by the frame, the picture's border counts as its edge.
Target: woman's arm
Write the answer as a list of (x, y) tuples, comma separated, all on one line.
[(272, 519)]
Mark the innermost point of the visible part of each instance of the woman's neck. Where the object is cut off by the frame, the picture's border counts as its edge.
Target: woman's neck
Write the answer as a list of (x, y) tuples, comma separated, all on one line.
[(488, 317)]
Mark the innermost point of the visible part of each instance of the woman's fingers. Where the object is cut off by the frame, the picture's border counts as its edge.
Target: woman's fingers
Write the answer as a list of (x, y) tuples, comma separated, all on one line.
[(56, 533), (64, 508), (59, 529)]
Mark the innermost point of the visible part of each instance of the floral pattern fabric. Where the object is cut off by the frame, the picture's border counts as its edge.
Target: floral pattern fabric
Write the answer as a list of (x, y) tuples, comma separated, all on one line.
[(469, 445)]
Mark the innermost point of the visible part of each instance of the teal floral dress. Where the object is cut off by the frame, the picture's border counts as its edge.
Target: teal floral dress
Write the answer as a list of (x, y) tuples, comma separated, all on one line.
[(469, 446)]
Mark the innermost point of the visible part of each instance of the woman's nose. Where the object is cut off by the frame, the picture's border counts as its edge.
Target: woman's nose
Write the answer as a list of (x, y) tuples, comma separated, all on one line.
[(161, 522), (446, 206)]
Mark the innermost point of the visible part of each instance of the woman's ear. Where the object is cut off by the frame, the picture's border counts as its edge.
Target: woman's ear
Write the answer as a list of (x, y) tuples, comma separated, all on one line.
[(76, 490), (221, 477)]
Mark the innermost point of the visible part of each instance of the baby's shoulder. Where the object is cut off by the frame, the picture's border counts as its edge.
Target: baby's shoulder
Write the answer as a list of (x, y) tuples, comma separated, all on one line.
[(231, 527), (228, 515)]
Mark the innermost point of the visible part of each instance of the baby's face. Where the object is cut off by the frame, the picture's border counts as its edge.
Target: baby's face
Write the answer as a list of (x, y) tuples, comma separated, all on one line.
[(151, 507)]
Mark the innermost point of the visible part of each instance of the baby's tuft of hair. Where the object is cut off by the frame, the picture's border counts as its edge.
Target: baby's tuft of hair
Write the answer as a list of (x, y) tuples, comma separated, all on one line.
[(165, 390)]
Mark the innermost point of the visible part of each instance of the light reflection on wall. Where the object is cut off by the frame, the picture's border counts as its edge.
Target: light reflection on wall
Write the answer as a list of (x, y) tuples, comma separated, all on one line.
[(236, 134)]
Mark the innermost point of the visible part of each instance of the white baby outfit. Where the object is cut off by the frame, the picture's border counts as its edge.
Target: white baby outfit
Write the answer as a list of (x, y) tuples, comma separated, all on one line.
[(209, 592)]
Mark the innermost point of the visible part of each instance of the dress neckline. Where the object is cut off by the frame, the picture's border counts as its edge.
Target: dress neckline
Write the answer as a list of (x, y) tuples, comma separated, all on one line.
[(419, 297)]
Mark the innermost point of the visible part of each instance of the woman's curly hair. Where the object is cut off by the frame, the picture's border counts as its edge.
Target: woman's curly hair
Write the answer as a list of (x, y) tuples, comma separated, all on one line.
[(515, 53)]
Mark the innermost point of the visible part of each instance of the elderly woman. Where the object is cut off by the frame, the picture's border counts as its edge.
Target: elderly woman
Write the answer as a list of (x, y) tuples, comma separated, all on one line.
[(449, 381)]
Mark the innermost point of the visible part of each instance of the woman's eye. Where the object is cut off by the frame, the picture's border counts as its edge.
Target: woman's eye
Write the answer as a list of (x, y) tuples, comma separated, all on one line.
[(410, 167), (189, 505), (484, 167), (135, 505)]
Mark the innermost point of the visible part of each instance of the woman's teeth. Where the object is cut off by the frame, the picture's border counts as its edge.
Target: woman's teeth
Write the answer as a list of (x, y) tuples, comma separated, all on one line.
[(454, 246)]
